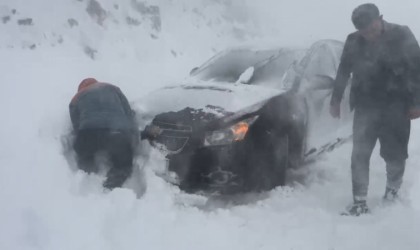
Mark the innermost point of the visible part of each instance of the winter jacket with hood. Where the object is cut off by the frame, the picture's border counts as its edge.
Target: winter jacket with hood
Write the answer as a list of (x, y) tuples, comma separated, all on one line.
[(100, 106)]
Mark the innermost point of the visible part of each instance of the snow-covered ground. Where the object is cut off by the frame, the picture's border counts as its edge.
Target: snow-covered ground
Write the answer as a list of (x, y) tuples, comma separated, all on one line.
[(45, 205)]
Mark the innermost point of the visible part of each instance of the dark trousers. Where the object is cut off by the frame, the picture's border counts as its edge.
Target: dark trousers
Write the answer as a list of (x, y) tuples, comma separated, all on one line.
[(390, 124), (117, 147)]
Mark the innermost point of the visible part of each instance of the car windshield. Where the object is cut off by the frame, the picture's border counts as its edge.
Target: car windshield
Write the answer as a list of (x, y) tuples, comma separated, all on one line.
[(227, 66), (278, 68), (271, 71)]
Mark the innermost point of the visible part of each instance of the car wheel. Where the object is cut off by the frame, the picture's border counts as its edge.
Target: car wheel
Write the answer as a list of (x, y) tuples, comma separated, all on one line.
[(281, 161), (268, 164)]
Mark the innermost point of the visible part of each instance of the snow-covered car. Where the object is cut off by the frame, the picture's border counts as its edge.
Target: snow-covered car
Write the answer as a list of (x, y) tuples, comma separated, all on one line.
[(244, 117)]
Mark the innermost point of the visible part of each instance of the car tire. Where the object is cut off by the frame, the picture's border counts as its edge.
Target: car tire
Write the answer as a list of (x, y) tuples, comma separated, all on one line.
[(267, 166), (281, 154)]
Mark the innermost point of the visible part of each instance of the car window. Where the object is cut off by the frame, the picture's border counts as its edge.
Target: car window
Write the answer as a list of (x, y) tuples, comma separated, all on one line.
[(317, 68), (321, 61)]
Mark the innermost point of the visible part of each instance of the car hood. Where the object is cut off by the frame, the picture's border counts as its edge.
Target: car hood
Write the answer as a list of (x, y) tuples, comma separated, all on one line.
[(220, 99)]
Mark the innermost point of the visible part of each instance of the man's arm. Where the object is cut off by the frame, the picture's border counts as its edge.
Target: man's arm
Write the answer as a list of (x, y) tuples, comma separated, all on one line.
[(411, 52), (126, 105), (132, 117), (129, 112), (343, 72), (74, 116)]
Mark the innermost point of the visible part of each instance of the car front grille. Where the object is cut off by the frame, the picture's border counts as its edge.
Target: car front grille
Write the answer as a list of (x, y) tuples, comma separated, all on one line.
[(172, 137)]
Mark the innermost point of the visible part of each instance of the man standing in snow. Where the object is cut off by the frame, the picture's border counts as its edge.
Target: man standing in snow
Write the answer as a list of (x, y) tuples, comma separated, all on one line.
[(384, 62), (103, 121)]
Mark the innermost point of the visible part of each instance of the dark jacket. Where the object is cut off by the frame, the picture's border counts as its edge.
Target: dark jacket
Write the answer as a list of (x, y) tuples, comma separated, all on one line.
[(386, 71), (103, 106)]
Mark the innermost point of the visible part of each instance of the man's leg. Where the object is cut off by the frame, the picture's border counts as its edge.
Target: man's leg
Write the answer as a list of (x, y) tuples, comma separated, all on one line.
[(120, 151), (394, 137), (364, 140), (84, 146), (395, 172)]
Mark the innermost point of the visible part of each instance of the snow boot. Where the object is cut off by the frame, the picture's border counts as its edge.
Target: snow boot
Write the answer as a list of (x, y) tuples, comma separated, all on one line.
[(357, 208), (390, 196)]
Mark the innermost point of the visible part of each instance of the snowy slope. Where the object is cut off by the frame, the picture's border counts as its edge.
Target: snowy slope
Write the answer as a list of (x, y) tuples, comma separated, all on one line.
[(45, 205)]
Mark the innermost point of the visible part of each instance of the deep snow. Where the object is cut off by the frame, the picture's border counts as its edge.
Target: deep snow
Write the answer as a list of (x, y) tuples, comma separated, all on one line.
[(45, 205)]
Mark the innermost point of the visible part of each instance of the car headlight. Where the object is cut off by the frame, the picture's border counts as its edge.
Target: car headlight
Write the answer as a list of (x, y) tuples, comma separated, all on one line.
[(229, 135)]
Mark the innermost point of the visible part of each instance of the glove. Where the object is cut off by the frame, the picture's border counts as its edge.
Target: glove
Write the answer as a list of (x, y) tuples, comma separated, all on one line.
[(150, 132)]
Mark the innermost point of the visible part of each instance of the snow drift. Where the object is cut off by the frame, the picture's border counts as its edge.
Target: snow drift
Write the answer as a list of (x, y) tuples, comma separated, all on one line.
[(47, 47)]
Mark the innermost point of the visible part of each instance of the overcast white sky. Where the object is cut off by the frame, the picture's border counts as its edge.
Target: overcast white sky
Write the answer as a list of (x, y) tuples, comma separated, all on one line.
[(309, 20)]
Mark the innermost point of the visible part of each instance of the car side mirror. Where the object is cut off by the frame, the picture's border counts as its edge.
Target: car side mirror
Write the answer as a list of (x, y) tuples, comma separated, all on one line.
[(246, 76)]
